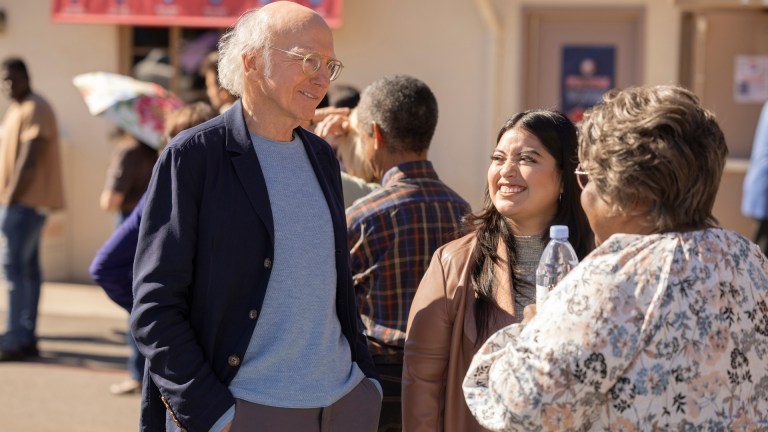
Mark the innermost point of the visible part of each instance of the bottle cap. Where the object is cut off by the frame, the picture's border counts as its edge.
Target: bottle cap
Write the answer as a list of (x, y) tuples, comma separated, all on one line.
[(558, 231)]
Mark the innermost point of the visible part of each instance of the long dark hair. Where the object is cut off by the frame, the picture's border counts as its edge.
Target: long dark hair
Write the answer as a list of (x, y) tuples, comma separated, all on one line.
[(558, 135)]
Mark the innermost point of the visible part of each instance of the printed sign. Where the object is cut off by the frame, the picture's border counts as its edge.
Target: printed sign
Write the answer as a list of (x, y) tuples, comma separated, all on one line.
[(184, 13), (588, 72), (750, 82)]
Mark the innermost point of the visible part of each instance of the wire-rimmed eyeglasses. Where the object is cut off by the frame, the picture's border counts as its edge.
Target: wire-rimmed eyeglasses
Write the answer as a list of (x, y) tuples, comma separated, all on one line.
[(582, 177), (312, 62)]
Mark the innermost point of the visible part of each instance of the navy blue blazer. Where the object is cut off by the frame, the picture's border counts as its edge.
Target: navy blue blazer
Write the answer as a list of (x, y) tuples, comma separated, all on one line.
[(203, 263)]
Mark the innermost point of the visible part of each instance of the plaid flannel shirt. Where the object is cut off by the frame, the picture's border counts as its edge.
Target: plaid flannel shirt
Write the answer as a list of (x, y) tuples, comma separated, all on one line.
[(393, 232)]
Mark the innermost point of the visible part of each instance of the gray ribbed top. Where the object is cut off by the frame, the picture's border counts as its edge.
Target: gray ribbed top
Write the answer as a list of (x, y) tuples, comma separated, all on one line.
[(529, 250)]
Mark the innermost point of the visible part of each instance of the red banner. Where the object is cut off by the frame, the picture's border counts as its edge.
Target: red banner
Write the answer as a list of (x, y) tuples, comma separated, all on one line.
[(182, 13)]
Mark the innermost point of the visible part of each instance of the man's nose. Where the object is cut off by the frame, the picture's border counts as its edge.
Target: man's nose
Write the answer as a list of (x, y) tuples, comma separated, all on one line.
[(322, 77)]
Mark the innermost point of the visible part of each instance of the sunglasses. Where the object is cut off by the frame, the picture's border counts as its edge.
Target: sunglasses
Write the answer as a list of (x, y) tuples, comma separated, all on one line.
[(582, 177)]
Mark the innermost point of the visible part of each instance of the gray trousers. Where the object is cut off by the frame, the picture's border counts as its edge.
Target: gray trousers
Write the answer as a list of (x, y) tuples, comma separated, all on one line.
[(357, 411)]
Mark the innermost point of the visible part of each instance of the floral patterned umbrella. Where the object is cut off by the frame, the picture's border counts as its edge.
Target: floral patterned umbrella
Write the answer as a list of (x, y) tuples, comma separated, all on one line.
[(138, 107)]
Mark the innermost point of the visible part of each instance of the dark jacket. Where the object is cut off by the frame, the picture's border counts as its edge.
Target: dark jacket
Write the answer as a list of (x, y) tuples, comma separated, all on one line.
[(112, 267), (203, 262)]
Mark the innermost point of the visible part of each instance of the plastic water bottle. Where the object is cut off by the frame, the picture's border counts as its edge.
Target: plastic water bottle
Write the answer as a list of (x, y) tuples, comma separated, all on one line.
[(556, 261)]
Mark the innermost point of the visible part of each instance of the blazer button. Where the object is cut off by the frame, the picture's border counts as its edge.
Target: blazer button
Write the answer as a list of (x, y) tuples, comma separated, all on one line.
[(233, 360), (253, 314), (267, 263)]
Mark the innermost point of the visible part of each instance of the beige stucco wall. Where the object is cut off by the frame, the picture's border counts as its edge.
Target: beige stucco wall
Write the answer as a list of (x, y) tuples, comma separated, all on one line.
[(443, 43), (468, 51)]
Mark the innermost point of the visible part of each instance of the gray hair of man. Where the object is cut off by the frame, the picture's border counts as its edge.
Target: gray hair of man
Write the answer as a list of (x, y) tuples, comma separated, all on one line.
[(405, 110), (250, 34)]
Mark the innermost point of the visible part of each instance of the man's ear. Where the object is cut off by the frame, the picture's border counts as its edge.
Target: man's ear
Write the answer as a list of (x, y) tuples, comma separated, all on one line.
[(249, 63), (378, 137)]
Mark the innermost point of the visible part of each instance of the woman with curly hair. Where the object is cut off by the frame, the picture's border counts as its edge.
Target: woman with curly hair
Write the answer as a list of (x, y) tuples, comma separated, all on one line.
[(664, 326)]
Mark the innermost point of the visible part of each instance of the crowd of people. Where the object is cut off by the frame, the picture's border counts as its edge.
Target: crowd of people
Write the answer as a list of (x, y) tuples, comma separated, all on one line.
[(299, 268)]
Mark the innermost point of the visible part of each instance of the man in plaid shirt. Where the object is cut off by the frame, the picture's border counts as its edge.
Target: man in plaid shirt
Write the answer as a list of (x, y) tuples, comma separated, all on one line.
[(394, 230)]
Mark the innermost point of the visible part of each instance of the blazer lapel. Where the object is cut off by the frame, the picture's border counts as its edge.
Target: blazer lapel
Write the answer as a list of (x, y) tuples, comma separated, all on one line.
[(247, 166)]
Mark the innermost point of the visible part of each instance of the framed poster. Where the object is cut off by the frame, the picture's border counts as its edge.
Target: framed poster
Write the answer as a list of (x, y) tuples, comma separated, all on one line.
[(588, 72), (750, 79)]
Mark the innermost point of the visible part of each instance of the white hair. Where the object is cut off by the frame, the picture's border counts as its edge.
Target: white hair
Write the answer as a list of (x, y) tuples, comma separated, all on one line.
[(251, 33)]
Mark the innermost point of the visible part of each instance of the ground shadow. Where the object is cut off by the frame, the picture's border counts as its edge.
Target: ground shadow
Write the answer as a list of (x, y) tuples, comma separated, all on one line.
[(83, 360), (119, 340)]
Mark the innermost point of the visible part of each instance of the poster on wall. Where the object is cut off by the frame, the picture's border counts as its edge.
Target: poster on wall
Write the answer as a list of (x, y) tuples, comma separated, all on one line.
[(750, 83), (588, 72)]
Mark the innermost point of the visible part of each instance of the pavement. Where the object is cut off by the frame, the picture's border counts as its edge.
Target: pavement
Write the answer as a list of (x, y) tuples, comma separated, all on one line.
[(82, 346)]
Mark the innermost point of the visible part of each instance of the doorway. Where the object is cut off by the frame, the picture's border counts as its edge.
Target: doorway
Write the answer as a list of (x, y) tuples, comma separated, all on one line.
[(573, 55)]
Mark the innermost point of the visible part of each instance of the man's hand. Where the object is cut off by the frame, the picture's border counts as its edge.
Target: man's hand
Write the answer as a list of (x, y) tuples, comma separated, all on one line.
[(334, 128), (322, 113)]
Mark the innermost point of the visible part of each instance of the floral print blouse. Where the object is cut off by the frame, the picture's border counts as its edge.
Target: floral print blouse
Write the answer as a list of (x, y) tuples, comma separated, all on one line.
[(657, 332)]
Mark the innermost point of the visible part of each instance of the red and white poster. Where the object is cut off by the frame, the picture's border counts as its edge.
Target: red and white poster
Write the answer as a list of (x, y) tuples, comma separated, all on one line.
[(588, 72), (182, 13)]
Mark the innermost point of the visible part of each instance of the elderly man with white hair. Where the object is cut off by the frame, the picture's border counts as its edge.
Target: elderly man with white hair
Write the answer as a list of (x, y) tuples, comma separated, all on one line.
[(244, 306)]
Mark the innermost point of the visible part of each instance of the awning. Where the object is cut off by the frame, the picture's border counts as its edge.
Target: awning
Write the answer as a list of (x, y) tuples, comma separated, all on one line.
[(182, 13)]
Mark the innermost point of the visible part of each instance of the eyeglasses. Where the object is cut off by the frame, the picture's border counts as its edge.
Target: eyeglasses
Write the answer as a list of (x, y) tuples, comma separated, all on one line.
[(312, 62), (582, 177)]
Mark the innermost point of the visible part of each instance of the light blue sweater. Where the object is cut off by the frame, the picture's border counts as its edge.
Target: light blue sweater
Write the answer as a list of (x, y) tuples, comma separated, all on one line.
[(297, 357)]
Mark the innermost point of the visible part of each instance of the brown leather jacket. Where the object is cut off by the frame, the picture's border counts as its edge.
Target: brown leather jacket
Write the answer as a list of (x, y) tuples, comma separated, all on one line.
[(441, 339)]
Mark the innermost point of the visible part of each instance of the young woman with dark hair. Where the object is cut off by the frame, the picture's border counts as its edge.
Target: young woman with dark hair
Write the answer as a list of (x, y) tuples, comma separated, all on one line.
[(482, 282)]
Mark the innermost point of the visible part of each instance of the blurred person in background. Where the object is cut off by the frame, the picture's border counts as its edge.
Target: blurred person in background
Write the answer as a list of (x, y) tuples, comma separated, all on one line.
[(219, 97), (664, 326), (30, 188), (357, 179), (112, 267), (128, 175), (754, 200), (343, 96), (481, 282)]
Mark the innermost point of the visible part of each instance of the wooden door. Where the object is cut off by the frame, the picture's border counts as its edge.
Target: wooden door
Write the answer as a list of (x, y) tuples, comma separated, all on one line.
[(552, 31)]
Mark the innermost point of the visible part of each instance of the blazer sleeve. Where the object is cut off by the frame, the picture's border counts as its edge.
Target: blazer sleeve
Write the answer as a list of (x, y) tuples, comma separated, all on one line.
[(427, 349), (164, 274)]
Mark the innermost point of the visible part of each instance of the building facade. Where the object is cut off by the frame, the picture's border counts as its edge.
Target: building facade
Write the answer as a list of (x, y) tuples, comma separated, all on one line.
[(484, 60)]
